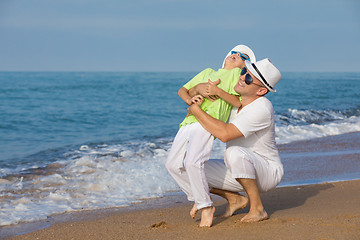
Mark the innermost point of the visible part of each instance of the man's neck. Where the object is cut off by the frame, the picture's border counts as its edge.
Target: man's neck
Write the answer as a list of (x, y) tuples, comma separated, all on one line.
[(247, 100)]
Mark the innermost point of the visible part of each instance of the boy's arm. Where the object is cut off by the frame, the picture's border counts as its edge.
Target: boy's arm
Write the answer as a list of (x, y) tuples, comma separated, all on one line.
[(212, 89), (212, 92), (199, 89), (184, 95)]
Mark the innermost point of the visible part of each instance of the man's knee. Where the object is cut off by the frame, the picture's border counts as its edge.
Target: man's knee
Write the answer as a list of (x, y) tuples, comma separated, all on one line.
[(240, 163), (235, 156)]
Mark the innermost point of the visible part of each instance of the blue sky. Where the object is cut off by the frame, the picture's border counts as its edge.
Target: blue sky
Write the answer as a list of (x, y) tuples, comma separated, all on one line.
[(175, 35)]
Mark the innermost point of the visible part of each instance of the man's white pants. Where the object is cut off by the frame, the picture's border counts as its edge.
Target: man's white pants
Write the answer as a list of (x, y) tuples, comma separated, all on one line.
[(191, 148), (242, 163)]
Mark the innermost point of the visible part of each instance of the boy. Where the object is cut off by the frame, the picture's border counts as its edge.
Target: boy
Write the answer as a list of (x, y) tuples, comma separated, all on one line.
[(193, 144)]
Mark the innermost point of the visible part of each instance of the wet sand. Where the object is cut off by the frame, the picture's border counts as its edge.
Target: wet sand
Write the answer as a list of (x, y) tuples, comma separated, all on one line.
[(321, 159), (318, 211)]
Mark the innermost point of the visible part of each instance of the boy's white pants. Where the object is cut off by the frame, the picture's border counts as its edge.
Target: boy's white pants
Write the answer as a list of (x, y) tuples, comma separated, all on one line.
[(190, 150)]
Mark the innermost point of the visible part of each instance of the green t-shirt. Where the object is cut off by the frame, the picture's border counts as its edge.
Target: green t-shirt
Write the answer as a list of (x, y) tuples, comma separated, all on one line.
[(218, 109)]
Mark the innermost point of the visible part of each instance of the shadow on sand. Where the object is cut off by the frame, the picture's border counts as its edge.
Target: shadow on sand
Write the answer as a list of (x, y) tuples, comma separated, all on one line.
[(278, 199)]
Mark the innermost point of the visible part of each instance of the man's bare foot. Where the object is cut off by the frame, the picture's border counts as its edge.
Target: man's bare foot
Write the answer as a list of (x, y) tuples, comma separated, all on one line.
[(207, 216), (236, 202), (193, 211), (255, 216)]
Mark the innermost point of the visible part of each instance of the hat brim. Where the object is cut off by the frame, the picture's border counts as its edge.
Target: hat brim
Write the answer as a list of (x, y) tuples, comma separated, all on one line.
[(250, 67), (243, 49)]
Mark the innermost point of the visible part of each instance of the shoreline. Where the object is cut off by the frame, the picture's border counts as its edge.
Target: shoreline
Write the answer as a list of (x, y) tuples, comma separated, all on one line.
[(298, 212), (334, 156)]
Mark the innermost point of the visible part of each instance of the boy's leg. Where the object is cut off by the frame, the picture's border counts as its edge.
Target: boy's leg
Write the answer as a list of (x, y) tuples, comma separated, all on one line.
[(198, 151), (175, 161)]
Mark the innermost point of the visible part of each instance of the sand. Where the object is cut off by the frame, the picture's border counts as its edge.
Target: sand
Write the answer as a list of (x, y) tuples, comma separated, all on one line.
[(321, 211)]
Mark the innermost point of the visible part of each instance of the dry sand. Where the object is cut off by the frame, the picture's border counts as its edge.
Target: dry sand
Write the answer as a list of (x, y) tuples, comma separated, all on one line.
[(322, 211)]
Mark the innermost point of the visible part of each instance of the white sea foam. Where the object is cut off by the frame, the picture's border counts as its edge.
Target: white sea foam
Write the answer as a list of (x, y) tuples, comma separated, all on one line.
[(90, 178), (317, 127)]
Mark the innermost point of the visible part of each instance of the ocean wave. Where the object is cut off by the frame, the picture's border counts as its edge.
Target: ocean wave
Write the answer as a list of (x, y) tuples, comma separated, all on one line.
[(297, 117), (91, 177), (307, 124)]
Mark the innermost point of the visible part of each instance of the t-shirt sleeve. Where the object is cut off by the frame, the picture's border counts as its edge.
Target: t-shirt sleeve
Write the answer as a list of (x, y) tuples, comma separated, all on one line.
[(252, 120), (199, 78)]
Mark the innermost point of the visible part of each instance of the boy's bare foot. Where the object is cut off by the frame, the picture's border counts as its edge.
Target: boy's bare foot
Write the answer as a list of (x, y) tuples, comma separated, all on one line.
[(255, 216), (207, 216), (193, 211), (236, 202)]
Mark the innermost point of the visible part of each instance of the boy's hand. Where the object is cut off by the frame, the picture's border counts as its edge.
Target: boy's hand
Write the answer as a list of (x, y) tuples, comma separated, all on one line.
[(212, 90)]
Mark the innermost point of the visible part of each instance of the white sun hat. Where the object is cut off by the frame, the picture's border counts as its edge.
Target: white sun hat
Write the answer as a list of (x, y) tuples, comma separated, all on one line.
[(243, 49), (266, 72)]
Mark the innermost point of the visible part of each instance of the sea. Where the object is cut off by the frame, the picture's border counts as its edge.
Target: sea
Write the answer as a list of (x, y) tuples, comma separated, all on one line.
[(72, 141)]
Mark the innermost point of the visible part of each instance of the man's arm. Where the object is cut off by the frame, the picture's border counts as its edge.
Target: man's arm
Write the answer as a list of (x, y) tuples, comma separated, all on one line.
[(223, 131)]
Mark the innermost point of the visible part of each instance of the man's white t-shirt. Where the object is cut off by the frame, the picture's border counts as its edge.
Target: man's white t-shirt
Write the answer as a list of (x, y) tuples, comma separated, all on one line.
[(256, 122)]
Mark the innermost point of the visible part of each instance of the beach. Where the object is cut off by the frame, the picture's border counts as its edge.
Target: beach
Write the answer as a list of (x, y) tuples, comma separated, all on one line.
[(321, 211), (315, 211)]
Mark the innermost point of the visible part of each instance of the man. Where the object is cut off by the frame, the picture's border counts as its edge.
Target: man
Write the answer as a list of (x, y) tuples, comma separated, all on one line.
[(193, 144), (251, 156)]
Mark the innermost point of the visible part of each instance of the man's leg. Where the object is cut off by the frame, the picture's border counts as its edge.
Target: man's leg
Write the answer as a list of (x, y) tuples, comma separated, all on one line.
[(257, 212), (220, 178), (236, 201), (224, 185), (251, 171)]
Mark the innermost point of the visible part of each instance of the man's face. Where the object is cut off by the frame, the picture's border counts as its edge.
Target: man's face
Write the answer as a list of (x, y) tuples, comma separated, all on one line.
[(243, 89), (234, 61)]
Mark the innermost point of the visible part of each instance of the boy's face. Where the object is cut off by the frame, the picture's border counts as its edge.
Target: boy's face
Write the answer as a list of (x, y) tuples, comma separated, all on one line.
[(234, 61)]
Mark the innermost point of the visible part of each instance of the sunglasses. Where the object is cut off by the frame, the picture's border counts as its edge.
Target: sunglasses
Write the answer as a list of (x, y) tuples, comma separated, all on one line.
[(248, 78), (243, 56)]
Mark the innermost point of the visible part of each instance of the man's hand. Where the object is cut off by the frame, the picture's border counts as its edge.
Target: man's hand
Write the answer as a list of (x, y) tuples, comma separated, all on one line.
[(198, 99)]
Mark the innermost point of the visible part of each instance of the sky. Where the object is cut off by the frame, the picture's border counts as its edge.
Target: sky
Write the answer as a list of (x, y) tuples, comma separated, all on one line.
[(177, 35)]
